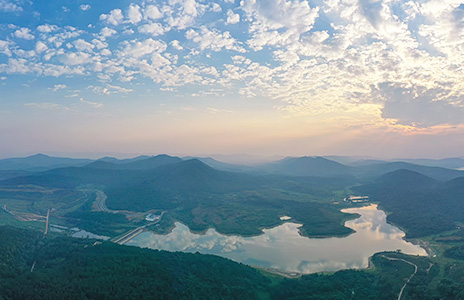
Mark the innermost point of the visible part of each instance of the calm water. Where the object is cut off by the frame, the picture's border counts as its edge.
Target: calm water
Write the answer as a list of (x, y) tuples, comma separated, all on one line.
[(283, 248)]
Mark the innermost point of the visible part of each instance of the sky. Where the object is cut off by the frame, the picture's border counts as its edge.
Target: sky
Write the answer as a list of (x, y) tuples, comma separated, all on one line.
[(260, 77)]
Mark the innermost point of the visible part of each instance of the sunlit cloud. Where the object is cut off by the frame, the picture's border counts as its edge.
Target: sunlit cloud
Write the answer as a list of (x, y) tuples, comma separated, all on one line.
[(389, 66)]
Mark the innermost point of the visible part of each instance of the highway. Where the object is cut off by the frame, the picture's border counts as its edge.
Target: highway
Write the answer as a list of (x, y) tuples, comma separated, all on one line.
[(101, 201), (124, 238)]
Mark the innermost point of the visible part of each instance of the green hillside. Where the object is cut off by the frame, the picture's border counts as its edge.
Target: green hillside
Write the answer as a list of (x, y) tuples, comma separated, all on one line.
[(420, 205)]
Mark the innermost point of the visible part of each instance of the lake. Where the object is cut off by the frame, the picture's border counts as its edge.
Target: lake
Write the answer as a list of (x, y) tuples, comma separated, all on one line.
[(283, 248)]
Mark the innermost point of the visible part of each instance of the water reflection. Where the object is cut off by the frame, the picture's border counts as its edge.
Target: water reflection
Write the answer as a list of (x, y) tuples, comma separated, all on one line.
[(283, 248)]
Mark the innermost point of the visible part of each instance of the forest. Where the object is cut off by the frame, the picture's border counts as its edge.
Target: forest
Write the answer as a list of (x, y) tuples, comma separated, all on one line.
[(55, 267)]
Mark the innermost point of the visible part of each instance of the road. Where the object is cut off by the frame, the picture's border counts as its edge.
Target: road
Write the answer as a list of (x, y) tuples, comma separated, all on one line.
[(124, 238), (410, 277), (101, 201)]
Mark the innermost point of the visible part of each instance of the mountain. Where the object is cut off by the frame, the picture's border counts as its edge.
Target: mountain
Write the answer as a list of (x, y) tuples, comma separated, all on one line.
[(123, 161), (347, 160), (5, 174), (399, 181), (151, 162), (420, 205), (138, 163), (449, 163), (102, 164), (378, 169), (307, 166), (219, 165), (40, 162), (366, 162), (72, 268)]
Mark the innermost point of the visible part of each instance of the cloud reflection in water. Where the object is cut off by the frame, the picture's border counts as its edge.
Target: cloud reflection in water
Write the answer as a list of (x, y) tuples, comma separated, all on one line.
[(283, 248)]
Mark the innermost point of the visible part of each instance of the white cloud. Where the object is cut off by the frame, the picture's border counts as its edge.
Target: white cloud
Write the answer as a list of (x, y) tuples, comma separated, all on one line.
[(215, 7), (182, 13), (82, 45), (99, 44), (47, 28), (278, 22), (109, 89), (76, 58), (24, 33), (213, 39), (133, 14), (115, 17), (106, 52), (46, 105), (107, 32), (340, 64), (9, 6), (24, 53), (40, 47), (58, 87), (138, 49), (232, 18), (176, 45), (4, 47), (94, 104), (153, 29), (85, 7), (128, 31), (152, 12)]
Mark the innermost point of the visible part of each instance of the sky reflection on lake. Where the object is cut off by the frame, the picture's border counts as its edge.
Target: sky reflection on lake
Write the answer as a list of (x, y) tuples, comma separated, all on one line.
[(283, 248)]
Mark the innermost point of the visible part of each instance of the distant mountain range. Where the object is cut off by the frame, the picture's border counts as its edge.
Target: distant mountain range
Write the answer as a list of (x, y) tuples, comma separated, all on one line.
[(290, 166), (40, 162), (422, 199)]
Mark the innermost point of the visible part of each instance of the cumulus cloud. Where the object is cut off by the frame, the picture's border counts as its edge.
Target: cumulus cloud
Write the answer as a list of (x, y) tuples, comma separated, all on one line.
[(76, 58), (115, 17), (215, 7), (133, 14), (40, 47), (4, 47), (175, 44), (107, 32), (213, 39), (315, 57), (24, 33), (152, 12), (182, 13), (138, 49), (47, 28), (109, 89), (82, 45), (153, 29), (58, 87), (9, 6), (277, 22), (232, 18)]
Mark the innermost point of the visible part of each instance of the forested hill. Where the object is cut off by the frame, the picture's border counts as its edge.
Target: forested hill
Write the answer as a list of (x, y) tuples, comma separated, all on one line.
[(69, 268), (419, 204), (66, 268)]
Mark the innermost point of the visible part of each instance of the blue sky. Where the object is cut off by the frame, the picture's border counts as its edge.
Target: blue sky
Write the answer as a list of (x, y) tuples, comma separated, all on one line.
[(288, 77)]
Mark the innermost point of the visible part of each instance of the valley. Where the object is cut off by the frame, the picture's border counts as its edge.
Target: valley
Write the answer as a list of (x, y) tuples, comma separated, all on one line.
[(112, 201)]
